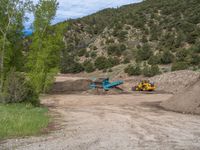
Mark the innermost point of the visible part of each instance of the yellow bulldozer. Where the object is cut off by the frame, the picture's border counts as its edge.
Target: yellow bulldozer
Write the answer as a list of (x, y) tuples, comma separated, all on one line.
[(144, 85)]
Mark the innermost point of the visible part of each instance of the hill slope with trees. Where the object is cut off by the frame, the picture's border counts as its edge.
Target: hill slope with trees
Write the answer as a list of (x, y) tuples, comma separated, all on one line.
[(153, 36)]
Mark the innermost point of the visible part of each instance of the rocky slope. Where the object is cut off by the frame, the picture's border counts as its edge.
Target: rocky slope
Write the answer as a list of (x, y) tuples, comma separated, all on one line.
[(153, 32)]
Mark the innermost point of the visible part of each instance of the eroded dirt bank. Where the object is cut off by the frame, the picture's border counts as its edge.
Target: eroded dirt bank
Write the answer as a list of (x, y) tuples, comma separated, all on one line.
[(114, 122)]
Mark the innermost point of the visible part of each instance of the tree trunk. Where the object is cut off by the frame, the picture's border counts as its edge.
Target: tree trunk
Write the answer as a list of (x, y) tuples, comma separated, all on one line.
[(2, 64)]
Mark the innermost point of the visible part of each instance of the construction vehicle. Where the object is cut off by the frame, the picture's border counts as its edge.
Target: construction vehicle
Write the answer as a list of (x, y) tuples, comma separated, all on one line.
[(105, 84), (144, 85)]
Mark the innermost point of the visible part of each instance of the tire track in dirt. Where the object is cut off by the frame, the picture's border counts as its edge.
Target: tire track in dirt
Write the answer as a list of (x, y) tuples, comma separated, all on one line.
[(113, 122)]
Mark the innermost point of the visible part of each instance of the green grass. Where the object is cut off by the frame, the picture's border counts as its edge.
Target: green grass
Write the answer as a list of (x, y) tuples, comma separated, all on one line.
[(22, 120)]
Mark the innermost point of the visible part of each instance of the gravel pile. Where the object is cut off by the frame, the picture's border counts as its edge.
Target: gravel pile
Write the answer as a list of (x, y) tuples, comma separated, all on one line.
[(187, 101), (175, 82)]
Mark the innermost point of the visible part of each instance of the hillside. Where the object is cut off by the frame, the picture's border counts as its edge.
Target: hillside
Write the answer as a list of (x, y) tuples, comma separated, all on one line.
[(152, 36)]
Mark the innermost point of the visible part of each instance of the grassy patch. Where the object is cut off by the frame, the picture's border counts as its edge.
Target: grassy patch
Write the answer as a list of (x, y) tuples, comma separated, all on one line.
[(21, 120)]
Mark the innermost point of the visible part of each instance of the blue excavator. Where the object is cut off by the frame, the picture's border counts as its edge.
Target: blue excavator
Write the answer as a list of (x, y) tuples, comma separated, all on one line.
[(105, 84)]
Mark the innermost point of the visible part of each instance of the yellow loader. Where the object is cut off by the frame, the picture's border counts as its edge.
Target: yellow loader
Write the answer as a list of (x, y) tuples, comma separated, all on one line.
[(144, 85)]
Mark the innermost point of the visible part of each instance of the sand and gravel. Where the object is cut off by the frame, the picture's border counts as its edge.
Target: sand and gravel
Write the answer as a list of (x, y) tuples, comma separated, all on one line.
[(113, 122), (187, 101), (175, 82)]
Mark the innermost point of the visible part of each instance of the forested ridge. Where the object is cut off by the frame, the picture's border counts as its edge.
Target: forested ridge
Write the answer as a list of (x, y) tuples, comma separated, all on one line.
[(147, 35)]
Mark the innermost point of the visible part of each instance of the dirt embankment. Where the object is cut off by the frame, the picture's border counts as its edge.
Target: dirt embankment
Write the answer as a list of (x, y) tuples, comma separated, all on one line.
[(175, 82), (68, 85), (187, 101), (172, 82)]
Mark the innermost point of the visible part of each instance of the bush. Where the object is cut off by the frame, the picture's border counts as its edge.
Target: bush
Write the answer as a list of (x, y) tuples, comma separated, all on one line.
[(126, 61), (155, 70), (122, 47), (93, 54), (167, 57), (182, 54), (113, 61), (144, 53), (144, 39), (73, 67), (122, 35), (69, 65), (150, 71), (82, 52), (195, 48), (102, 63), (109, 41), (195, 60), (133, 70), (87, 54), (17, 89), (179, 66), (95, 48), (115, 49), (154, 60), (88, 66)]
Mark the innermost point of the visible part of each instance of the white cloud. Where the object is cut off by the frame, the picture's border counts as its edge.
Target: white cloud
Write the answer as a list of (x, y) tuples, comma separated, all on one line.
[(79, 8)]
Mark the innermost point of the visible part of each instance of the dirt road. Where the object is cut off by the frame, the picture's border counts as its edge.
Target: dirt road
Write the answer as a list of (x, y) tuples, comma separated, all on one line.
[(114, 122)]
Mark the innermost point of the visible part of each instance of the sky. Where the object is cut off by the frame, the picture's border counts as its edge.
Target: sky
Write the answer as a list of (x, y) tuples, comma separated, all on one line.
[(79, 8)]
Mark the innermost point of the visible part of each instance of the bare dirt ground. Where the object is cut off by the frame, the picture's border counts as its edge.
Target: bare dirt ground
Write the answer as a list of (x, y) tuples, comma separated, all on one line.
[(113, 122)]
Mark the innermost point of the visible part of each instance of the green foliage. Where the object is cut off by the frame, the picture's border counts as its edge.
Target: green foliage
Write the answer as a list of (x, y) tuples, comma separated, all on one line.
[(133, 70), (18, 120), (94, 48), (150, 71), (12, 14), (113, 61), (126, 61), (69, 65), (43, 59), (88, 66), (195, 48), (167, 57), (87, 54), (116, 49), (110, 41), (195, 59), (17, 89), (102, 63), (122, 35), (93, 54), (81, 52), (144, 53), (175, 26), (44, 13), (179, 66), (155, 70), (154, 60), (182, 54)]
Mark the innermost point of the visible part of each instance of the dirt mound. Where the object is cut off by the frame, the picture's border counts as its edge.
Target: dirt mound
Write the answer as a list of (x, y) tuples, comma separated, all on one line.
[(187, 101), (171, 82), (175, 82), (70, 86)]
